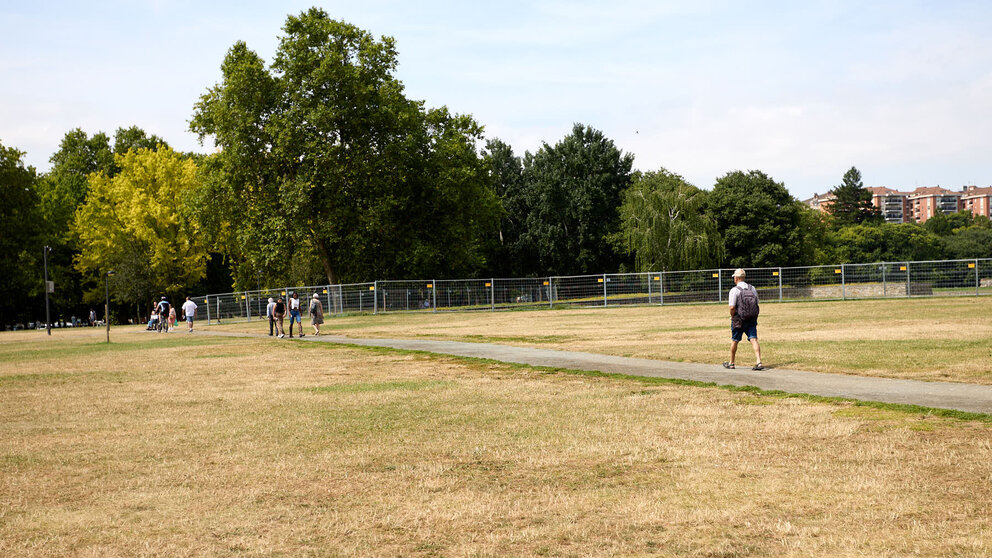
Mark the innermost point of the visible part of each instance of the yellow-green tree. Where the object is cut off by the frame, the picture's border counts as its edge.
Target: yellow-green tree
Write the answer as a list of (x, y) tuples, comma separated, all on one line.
[(141, 224)]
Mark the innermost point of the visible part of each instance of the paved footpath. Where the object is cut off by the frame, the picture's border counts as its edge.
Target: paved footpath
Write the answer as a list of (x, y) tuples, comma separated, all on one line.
[(945, 395)]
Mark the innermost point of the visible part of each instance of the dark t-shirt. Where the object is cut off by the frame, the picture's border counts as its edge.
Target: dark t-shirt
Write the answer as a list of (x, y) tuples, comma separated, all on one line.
[(280, 308)]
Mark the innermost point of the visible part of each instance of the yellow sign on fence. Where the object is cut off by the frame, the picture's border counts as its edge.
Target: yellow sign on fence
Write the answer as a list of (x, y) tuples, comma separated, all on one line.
[(837, 271), (600, 280), (489, 284), (902, 268), (971, 266), (430, 285), (371, 288), (657, 278), (546, 283), (325, 291), (716, 275), (242, 297), (774, 274)]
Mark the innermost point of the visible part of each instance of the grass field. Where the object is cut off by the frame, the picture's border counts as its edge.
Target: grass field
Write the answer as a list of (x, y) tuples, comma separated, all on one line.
[(172, 444), (947, 339)]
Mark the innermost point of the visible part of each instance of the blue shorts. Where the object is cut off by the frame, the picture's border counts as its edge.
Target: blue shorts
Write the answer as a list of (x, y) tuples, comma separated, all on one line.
[(296, 315), (750, 328), (189, 319)]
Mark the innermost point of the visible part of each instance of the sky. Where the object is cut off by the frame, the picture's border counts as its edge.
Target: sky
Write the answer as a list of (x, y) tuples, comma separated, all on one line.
[(800, 90)]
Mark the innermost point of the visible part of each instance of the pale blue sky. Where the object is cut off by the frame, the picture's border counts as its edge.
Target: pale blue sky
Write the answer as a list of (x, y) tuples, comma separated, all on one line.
[(800, 90)]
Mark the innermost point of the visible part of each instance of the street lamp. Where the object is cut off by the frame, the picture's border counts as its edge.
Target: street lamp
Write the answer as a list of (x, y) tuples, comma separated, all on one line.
[(48, 318), (106, 309)]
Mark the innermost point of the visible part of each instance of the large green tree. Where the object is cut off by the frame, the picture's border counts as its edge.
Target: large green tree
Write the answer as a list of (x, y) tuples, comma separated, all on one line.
[(140, 224), (64, 189), (665, 225), (506, 176), (20, 237), (761, 223), (570, 201), (853, 201), (322, 153)]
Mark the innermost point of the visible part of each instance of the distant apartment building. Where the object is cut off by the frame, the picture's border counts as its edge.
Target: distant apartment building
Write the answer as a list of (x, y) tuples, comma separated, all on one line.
[(925, 202), (977, 200), (892, 204), (821, 203)]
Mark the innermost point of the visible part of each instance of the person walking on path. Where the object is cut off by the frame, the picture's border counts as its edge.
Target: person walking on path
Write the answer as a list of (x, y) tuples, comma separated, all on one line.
[(189, 312), (316, 314), (295, 315), (172, 318), (743, 300), (278, 313), (268, 314)]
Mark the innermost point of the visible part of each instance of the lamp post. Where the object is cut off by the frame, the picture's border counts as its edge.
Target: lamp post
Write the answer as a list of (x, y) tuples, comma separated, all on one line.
[(106, 309), (48, 318)]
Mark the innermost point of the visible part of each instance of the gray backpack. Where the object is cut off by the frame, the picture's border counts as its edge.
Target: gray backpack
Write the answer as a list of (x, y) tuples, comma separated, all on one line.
[(747, 303)]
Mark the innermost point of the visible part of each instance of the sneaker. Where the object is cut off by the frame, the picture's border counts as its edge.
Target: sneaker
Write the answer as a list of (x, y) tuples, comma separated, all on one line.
[(758, 366), (728, 365), (301, 335)]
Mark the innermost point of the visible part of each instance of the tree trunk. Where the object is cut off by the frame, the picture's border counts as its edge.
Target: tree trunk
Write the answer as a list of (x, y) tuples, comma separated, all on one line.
[(325, 260)]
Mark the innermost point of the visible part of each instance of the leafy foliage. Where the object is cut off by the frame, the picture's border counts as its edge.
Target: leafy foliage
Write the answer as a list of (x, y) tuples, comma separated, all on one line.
[(20, 235), (569, 203), (665, 225), (853, 204), (324, 151), (761, 223), (139, 224)]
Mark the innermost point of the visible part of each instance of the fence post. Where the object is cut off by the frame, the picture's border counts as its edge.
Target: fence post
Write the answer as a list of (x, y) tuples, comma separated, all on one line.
[(661, 286), (375, 296), (907, 280), (218, 309), (719, 284), (492, 294), (551, 302), (649, 286), (885, 290), (434, 293), (206, 302), (780, 284), (843, 282), (604, 290), (977, 292), (247, 306)]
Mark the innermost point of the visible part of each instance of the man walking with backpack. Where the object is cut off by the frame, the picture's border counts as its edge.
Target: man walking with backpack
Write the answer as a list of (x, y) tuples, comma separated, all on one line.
[(743, 318)]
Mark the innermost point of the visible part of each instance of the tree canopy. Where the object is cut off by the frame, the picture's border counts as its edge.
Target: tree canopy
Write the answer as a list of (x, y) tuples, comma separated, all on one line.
[(666, 226), (853, 201), (761, 223), (569, 204), (139, 223), (324, 150), (20, 234)]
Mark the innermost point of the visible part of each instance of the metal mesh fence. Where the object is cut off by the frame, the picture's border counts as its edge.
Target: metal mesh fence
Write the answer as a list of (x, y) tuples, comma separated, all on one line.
[(831, 282)]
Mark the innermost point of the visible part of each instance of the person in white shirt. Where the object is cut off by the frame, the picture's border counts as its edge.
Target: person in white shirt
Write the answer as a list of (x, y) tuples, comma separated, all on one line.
[(743, 299), (189, 312), (268, 314), (295, 315)]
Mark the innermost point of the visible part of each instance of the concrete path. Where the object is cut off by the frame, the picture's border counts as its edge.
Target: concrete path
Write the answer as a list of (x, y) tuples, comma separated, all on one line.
[(945, 395)]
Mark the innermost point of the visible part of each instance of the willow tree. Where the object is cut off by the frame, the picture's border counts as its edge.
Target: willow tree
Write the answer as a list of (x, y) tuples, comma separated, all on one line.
[(665, 226), (322, 151)]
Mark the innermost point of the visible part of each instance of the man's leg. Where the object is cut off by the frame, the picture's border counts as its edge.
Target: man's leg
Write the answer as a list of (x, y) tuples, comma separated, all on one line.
[(733, 351), (292, 318), (757, 349), (272, 324)]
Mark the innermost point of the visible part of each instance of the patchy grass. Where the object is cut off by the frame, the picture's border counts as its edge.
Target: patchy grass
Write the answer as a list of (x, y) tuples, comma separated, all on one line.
[(946, 339), (275, 447)]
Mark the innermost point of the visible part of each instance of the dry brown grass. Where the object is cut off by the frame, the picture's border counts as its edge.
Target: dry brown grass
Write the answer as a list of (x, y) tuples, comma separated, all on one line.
[(165, 445), (948, 339)]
